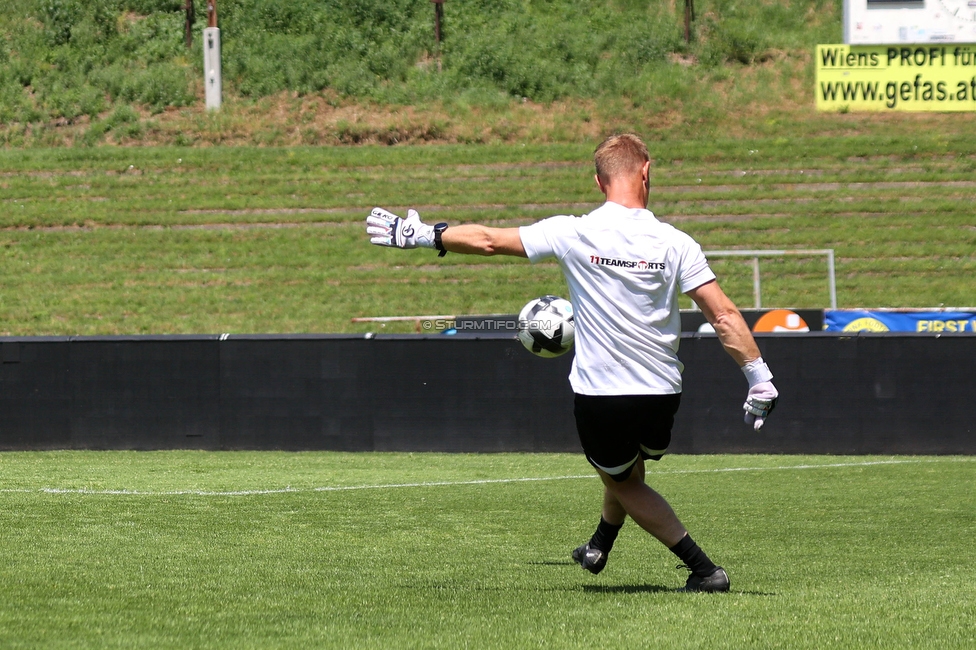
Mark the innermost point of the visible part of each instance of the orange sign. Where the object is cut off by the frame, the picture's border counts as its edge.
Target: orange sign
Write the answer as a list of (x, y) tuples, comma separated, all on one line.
[(781, 320)]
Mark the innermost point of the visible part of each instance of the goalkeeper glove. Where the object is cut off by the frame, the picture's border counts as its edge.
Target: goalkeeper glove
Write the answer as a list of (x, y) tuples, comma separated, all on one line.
[(387, 229), (762, 394)]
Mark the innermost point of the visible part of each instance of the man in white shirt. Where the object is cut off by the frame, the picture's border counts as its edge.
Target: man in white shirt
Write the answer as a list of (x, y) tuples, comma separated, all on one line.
[(624, 269)]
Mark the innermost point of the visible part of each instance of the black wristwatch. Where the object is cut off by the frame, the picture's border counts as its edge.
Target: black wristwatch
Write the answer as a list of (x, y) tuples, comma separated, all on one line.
[(438, 244)]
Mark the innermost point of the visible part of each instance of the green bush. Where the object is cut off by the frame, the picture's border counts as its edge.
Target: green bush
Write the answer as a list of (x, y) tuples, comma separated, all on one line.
[(525, 57), (82, 21), (650, 42), (734, 40), (305, 46), (69, 58)]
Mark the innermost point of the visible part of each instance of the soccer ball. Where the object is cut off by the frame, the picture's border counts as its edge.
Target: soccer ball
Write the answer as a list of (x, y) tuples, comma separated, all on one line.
[(546, 326)]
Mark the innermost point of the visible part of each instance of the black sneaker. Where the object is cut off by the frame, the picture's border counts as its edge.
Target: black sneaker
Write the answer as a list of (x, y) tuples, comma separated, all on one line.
[(591, 559), (718, 581)]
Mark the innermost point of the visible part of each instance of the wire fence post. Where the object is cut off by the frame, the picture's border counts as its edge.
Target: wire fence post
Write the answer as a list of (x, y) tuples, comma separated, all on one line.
[(190, 16), (689, 16), (438, 19)]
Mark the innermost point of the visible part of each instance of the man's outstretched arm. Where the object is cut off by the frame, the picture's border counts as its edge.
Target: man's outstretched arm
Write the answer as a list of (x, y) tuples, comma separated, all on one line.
[(388, 229), (472, 239)]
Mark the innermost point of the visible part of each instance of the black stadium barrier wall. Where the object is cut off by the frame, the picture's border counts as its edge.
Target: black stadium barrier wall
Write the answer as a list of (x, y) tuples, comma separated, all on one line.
[(856, 394)]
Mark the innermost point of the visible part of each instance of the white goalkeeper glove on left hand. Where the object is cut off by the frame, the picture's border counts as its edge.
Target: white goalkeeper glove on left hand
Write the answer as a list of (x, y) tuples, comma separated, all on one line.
[(387, 229), (762, 394)]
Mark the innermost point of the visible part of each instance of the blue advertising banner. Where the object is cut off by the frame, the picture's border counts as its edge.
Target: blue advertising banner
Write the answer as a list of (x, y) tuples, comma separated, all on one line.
[(900, 320)]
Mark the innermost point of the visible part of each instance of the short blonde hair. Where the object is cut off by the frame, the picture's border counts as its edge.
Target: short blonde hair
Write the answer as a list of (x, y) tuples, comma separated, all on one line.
[(620, 155)]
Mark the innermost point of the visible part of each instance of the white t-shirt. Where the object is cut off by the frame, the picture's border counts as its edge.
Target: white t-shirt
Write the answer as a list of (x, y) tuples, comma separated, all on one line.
[(624, 269)]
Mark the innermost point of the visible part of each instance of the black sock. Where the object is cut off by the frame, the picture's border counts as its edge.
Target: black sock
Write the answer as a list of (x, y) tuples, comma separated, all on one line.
[(605, 535), (689, 553)]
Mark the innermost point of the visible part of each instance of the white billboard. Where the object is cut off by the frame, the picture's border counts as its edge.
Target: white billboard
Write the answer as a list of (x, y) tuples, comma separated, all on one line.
[(886, 22)]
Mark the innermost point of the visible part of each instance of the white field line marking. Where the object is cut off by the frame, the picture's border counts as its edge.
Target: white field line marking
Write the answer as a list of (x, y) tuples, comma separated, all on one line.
[(392, 486)]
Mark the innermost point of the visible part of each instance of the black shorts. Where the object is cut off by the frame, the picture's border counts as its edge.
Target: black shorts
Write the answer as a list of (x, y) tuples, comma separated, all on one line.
[(615, 429)]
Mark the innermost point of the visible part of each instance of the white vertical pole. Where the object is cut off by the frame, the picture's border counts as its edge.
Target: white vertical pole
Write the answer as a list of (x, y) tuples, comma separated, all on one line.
[(831, 278), (211, 66), (756, 288), (847, 21)]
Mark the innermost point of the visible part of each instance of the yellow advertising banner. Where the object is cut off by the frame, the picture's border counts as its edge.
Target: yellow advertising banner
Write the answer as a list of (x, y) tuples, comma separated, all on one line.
[(896, 78)]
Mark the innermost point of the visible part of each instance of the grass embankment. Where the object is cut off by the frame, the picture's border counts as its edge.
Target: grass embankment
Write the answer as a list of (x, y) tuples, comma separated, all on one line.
[(171, 240), (310, 72), (267, 550)]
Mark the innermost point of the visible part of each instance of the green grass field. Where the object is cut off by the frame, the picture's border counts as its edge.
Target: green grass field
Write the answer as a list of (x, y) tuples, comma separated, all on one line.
[(262, 550), (176, 240)]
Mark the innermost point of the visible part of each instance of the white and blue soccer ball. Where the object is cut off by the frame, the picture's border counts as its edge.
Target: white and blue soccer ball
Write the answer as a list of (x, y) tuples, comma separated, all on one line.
[(546, 326)]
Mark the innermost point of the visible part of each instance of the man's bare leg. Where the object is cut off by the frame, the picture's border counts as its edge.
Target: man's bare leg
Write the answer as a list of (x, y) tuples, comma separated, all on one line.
[(645, 506), (612, 512), (652, 512)]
